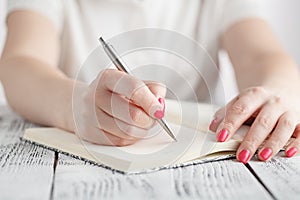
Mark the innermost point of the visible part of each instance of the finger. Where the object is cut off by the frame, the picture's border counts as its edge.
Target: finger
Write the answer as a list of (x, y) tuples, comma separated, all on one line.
[(294, 146), (101, 137), (119, 128), (122, 109), (158, 89), (219, 115), (296, 131), (240, 111), (218, 118), (262, 126), (133, 89), (283, 131)]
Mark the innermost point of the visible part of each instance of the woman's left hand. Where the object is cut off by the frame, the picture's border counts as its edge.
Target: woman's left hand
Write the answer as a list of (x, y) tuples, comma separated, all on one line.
[(273, 123)]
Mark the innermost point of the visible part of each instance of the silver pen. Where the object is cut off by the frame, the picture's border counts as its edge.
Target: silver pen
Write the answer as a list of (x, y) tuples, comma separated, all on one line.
[(120, 65)]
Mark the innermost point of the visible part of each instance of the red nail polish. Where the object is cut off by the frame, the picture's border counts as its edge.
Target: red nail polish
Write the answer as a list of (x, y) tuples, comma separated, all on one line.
[(223, 135), (266, 153), (244, 156), (159, 114), (162, 102), (291, 152)]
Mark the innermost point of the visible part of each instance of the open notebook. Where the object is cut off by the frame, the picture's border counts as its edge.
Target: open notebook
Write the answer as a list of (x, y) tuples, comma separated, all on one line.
[(189, 122)]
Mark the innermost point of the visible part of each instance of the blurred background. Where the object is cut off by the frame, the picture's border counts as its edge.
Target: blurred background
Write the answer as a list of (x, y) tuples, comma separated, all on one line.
[(283, 15)]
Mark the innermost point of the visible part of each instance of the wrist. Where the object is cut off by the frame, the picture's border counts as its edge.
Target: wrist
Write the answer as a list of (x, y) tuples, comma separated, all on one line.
[(77, 91)]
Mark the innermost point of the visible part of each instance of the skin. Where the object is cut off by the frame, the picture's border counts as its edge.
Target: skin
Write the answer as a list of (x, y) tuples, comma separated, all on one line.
[(29, 63), (267, 78), (269, 83)]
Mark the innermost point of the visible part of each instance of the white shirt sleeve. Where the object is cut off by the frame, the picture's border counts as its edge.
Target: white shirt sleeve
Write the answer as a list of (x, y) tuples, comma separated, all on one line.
[(52, 9), (237, 10)]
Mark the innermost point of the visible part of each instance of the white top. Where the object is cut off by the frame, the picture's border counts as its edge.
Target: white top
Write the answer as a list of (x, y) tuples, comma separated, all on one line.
[(179, 65)]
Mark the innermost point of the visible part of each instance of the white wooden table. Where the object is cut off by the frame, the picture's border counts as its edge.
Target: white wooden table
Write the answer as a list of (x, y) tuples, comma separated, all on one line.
[(31, 172)]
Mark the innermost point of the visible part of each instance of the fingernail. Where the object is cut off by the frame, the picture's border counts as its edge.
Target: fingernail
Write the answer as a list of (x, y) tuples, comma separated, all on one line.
[(159, 114), (223, 135), (212, 123), (291, 152), (162, 102), (244, 156), (266, 153), (158, 110)]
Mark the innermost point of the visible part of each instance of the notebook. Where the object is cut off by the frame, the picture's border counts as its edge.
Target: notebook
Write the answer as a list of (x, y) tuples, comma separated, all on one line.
[(189, 121)]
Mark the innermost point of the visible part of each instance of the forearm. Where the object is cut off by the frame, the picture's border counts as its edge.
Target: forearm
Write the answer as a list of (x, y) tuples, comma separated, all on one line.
[(260, 60), (273, 71), (38, 92)]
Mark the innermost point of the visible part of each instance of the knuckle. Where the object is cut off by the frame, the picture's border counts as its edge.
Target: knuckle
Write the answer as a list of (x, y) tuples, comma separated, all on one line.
[(229, 125), (287, 121), (255, 140), (140, 118), (240, 109), (257, 90), (265, 122), (277, 100), (136, 115)]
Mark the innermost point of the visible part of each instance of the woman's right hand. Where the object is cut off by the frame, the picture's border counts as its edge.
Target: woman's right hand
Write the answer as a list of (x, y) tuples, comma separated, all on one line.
[(116, 108)]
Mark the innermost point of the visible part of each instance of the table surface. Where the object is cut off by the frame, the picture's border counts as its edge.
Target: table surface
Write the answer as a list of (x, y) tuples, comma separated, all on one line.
[(31, 172)]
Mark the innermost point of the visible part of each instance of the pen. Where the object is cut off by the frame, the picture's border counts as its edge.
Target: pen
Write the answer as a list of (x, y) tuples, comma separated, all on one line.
[(120, 65)]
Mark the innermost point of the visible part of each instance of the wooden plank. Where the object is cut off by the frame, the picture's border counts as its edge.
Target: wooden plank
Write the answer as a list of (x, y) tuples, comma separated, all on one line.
[(26, 171), (11, 126), (281, 176), (227, 179)]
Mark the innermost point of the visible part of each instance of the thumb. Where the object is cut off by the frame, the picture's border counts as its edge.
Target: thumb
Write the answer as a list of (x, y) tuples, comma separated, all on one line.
[(159, 90)]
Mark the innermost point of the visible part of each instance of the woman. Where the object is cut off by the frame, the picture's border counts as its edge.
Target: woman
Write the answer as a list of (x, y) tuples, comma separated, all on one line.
[(41, 56)]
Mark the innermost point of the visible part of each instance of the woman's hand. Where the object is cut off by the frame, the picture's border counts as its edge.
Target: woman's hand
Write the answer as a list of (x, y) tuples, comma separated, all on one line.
[(116, 108), (273, 122)]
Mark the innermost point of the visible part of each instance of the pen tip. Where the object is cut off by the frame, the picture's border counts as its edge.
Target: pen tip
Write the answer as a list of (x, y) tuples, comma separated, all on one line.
[(102, 40)]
